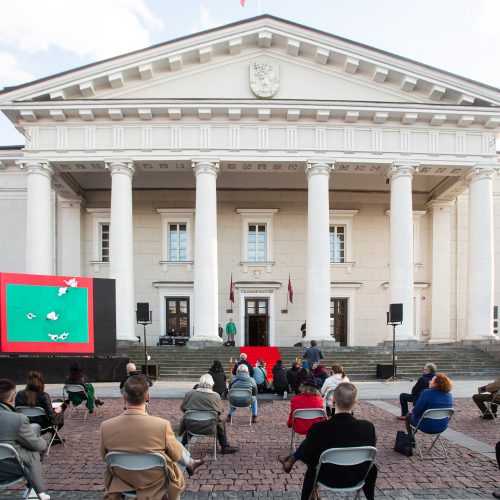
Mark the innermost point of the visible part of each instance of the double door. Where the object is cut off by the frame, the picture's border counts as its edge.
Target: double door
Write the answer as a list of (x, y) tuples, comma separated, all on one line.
[(256, 322)]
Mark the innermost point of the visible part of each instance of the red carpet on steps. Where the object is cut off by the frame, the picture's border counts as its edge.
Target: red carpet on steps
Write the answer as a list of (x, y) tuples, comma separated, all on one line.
[(268, 354)]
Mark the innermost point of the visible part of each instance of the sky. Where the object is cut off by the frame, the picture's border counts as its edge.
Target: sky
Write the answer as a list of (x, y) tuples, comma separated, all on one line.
[(41, 37)]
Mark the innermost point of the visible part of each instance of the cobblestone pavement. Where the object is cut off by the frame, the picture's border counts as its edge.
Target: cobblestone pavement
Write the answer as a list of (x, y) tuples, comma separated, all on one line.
[(75, 470)]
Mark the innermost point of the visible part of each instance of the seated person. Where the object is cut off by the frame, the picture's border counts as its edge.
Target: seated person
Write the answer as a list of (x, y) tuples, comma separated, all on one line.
[(337, 376), (242, 380), (496, 494), (220, 378), (243, 360), (320, 374), (260, 376), (134, 431), (309, 397), (35, 395), (131, 371), (422, 383), (486, 394), (304, 375), (280, 382), (15, 429), (340, 431), (437, 396), (77, 377), (203, 398), (313, 354), (291, 376)]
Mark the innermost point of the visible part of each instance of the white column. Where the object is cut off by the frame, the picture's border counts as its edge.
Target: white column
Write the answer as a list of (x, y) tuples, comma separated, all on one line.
[(401, 246), (441, 272), (318, 252), (39, 220), (480, 266), (206, 286), (121, 246), (69, 237)]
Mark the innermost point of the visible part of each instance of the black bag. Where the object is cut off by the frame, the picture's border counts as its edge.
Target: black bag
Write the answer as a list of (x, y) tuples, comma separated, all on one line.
[(403, 444)]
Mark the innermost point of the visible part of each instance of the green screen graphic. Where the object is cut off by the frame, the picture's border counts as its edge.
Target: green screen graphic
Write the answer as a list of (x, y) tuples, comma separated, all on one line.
[(28, 307)]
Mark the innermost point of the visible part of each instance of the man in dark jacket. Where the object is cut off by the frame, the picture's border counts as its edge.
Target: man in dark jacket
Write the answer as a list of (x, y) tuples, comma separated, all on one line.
[(340, 431), (131, 371), (422, 383), (312, 355), (243, 361)]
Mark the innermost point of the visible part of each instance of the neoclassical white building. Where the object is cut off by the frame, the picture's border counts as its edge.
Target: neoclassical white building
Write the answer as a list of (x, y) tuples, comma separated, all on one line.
[(262, 151)]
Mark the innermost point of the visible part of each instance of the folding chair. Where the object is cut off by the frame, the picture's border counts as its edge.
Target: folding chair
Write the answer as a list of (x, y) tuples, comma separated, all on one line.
[(8, 452), (134, 462), (495, 401), (191, 417), (241, 393), (70, 392), (305, 414), (37, 411), (347, 457), (433, 414), (328, 394)]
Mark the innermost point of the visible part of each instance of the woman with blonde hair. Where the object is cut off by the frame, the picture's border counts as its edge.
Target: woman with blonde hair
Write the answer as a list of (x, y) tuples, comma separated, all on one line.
[(337, 376)]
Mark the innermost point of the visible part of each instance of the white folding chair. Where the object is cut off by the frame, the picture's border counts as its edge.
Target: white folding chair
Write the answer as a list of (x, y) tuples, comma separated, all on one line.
[(68, 390), (433, 414), (495, 401), (37, 411), (245, 394), (209, 417), (346, 457), (8, 452), (134, 462), (305, 414), (328, 395)]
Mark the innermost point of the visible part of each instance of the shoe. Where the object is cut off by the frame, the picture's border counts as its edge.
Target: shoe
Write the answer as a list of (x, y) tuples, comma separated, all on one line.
[(228, 450), (487, 417), (254, 419), (285, 395), (401, 417), (228, 419), (288, 461), (191, 469), (98, 402), (32, 494), (496, 494)]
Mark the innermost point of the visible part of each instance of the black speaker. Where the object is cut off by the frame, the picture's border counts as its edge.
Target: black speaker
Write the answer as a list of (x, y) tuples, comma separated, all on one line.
[(395, 313), (153, 371), (142, 312), (384, 371)]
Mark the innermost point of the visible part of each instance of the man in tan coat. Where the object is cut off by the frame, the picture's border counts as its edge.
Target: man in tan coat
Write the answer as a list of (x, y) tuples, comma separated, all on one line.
[(486, 394), (135, 431)]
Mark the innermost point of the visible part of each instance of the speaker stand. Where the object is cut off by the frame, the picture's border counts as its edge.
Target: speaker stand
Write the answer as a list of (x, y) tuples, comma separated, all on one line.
[(394, 375)]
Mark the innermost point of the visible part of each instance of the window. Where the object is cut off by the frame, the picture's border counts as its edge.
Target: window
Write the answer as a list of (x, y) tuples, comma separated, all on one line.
[(104, 243), (177, 242), (337, 244), (257, 246), (177, 316), (100, 236)]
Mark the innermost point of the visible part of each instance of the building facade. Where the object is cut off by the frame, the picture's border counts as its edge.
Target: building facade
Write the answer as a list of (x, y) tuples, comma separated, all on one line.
[(266, 155)]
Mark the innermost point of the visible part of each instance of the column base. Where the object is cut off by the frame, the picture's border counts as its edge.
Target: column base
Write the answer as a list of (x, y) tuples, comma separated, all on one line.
[(201, 342), (490, 340), (120, 343), (441, 341), (329, 342), (403, 343)]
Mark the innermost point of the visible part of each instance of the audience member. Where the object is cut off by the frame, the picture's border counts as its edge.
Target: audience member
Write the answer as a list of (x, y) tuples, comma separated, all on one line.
[(309, 397), (203, 398), (338, 376), (134, 431), (486, 394), (15, 429), (496, 494), (243, 380), (280, 381), (437, 396), (243, 360), (320, 374), (304, 375), (220, 378), (77, 377), (312, 355), (341, 431), (260, 376), (131, 370), (292, 378), (35, 395), (422, 383)]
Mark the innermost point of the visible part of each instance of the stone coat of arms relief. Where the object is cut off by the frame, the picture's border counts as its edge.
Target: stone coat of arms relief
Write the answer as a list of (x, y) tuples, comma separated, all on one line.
[(264, 79)]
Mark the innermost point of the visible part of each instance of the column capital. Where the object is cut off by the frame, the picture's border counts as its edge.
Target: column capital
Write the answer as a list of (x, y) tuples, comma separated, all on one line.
[(482, 171), (206, 166), (402, 169), (76, 202), (34, 166), (120, 166), (440, 205), (321, 167)]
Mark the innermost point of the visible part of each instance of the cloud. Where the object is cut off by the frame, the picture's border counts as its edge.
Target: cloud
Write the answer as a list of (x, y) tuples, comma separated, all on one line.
[(487, 16), (95, 28), (10, 72), (206, 20)]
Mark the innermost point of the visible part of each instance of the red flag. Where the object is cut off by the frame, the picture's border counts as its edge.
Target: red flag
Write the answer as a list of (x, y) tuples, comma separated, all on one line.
[(290, 290), (242, 3), (231, 290)]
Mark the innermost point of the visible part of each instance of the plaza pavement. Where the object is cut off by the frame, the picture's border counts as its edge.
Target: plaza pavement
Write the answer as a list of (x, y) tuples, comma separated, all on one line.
[(75, 470)]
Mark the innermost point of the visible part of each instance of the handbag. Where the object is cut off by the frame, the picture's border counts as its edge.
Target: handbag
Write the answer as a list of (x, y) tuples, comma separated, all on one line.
[(403, 444)]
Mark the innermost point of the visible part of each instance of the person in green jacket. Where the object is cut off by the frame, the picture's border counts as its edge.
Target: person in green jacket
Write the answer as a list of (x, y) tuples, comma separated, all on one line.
[(230, 330)]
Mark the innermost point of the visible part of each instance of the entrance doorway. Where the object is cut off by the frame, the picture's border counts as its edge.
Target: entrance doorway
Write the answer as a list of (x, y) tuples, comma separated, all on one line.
[(257, 322), (177, 316), (338, 319)]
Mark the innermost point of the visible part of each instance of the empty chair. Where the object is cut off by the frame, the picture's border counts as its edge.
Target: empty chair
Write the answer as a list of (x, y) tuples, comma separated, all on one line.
[(9, 454), (76, 395), (134, 462), (37, 411), (241, 398), (433, 414), (192, 421), (304, 414)]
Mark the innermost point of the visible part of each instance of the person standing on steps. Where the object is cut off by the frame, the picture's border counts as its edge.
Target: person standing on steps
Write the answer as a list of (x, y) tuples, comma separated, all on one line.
[(230, 331)]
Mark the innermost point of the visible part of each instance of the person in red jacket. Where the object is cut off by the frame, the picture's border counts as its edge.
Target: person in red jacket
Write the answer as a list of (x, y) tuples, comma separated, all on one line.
[(309, 397)]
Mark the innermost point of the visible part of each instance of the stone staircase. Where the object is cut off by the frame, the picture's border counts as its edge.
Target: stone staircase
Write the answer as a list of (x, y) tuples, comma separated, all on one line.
[(182, 363)]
